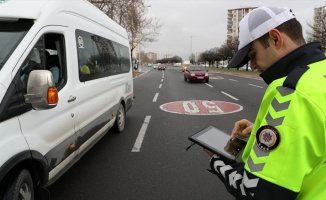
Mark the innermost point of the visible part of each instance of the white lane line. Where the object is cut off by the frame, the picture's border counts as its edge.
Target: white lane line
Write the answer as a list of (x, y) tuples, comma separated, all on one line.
[(141, 135), (162, 80), (255, 85), (232, 97), (208, 85), (233, 80), (155, 97), (160, 86)]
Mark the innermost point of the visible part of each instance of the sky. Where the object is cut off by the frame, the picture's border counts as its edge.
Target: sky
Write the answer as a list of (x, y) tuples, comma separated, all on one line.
[(199, 25)]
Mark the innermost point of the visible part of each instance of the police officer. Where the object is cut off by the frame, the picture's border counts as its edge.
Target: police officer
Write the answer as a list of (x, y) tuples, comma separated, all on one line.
[(285, 156)]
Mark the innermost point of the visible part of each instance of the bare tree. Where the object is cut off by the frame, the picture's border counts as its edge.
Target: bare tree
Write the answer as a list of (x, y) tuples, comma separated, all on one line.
[(228, 50), (210, 56), (101, 4), (192, 58), (174, 59), (318, 33), (131, 14)]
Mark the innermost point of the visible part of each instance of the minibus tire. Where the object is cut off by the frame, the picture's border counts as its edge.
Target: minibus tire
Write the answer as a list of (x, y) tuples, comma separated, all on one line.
[(21, 186), (120, 120)]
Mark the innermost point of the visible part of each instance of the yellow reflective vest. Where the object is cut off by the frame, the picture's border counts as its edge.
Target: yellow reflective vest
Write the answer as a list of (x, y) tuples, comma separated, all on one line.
[(287, 146)]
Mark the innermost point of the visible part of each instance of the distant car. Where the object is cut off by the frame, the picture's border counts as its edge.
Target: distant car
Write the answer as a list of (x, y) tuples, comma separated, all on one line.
[(155, 66), (161, 67), (184, 68), (196, 73)]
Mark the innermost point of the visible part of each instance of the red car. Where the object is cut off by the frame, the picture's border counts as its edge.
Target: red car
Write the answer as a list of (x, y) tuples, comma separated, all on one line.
[(196, 73), (161, 67)]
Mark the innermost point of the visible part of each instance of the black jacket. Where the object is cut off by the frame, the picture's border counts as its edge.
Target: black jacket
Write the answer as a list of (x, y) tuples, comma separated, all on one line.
[(302, 56)]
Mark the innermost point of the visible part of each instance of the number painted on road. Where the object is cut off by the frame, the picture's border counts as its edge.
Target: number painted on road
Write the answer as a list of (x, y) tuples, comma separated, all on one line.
[(190, 107), (201, 107), (212, 107)]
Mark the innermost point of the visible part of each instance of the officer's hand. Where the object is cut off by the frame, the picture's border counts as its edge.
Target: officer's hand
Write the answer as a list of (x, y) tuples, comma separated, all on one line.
[(208, 152), (242, 129)]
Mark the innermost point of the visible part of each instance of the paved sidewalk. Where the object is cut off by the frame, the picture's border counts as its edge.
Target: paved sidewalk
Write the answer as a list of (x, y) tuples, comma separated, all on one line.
[(136, 73)]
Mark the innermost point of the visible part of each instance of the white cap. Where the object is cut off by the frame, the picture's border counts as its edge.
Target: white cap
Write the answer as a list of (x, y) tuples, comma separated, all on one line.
[(256, 24)]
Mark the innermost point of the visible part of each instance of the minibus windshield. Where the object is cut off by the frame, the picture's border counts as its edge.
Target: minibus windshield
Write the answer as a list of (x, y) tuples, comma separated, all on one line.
[(11, 34)]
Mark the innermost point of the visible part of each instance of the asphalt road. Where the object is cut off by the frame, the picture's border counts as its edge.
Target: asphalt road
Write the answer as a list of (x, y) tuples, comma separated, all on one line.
[(148, 160)]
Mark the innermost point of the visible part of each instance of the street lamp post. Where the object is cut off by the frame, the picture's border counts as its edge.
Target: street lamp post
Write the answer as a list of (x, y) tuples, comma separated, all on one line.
[(191, 36), (190, 44)]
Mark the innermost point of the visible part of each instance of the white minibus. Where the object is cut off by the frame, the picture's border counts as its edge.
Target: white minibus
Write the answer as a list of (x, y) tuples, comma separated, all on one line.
[(65, 80)]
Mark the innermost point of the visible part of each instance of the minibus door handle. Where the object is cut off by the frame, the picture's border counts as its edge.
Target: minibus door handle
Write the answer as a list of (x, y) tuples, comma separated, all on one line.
[(71, 99)]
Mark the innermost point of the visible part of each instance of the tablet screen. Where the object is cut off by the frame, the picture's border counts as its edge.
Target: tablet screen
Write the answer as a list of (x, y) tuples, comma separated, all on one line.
[(219, 142)]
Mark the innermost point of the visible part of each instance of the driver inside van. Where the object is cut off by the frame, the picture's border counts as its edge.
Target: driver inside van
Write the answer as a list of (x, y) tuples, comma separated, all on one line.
[(52, 66), (29, 65)]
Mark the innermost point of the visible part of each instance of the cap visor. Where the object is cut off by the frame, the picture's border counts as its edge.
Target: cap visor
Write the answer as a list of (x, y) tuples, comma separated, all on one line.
[(240, 58)]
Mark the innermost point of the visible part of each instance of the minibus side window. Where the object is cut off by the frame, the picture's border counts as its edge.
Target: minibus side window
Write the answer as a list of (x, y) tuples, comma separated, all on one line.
[(99, 57), (48, 53), (124, 59), (55, 58)]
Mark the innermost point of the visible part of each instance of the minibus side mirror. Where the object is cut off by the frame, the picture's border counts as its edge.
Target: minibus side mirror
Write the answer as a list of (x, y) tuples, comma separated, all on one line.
[(42, 93)]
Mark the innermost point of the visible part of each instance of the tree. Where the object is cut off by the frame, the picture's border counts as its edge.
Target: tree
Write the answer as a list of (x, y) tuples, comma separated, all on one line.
[(192, 58), (210, 56), (132, 16), (174, 59), (318, 32), (228, 50)]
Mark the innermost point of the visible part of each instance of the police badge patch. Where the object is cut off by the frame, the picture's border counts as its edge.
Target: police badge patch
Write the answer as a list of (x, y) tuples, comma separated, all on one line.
[(268, 138)]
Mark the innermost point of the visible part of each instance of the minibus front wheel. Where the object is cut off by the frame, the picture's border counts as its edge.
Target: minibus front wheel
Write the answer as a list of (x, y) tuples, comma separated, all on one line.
[(120, 119), (21, 186)]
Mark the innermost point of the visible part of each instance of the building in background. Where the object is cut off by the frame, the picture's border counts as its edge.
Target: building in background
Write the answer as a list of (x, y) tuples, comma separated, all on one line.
[(136, 52), (234, 16), (151, 56), (167, 56)]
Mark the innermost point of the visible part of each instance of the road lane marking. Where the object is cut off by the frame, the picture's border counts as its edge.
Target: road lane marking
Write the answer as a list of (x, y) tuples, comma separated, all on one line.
[(232, 97), (155, 97), (255, 85), (162, 80), (208, 85), (233, 80), (141, 135), (160, 86)]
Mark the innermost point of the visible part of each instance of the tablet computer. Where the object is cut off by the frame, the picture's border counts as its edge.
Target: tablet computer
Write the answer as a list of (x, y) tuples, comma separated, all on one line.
[(219, 142)]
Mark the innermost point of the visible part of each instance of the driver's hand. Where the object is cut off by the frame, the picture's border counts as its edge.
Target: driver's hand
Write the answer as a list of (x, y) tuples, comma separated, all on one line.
[(242, 128)]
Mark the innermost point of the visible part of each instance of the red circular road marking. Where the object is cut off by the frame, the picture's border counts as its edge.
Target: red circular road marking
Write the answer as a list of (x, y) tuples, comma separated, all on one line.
[(201, 107)]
